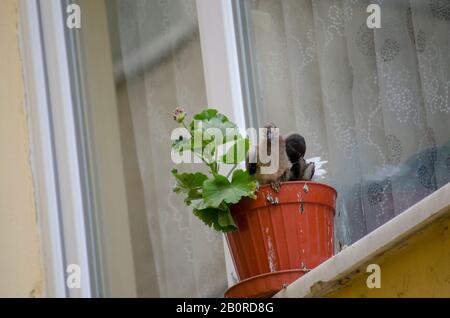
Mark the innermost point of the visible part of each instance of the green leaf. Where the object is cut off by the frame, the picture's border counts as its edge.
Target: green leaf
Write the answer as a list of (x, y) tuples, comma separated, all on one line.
[(213, 129), (208, 216), (199, 204), (233, 156), (186, 182), (210, 113), (187, 144), (225, 219), (220, 190), (181, 144), (210, 121), (193, 195), (220, 220), (210, 199)]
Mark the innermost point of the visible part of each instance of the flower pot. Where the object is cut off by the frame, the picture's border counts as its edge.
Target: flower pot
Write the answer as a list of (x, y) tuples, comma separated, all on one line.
[(281, 236)]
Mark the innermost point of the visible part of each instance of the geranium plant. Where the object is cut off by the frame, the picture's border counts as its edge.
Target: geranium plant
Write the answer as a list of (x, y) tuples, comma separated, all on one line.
[(217, 143)]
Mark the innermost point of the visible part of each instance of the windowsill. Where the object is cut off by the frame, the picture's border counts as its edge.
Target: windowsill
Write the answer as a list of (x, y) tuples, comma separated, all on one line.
[(328, 276)]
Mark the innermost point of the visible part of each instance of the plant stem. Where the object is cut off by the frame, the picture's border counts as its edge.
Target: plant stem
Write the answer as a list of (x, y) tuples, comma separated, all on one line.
[(184, 125), (213, 167), (232, 169), (201, 157)]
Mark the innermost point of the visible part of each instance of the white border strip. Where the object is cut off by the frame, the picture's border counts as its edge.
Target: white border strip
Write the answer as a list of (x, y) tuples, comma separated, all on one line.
[(222, 73), (42, 151), (65, 138), (373, 244), (220, 58), (55, 152)]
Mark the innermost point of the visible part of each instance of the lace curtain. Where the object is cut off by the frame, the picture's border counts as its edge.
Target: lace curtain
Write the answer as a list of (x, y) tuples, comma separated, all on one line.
[(373, 102), (158, 66)]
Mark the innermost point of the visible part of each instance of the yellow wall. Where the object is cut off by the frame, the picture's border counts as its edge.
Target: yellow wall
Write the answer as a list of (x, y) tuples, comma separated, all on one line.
[(417, 267), (20, 270)]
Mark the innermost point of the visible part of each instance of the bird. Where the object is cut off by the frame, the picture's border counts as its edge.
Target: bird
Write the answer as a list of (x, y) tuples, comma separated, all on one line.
[(295, 146), (254, 164), (295, 149), (301, 170)]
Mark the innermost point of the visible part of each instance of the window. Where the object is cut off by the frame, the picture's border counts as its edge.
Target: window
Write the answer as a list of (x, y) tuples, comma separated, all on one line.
[(101, 102), (374, 103), (143, 60)]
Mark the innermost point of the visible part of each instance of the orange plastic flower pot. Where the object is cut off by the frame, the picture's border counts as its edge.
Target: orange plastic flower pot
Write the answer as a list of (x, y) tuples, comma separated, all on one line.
[(281, 236)]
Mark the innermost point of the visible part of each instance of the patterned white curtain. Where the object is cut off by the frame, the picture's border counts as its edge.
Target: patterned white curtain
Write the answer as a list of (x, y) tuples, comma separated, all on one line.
[(373, 102), (158, 67)]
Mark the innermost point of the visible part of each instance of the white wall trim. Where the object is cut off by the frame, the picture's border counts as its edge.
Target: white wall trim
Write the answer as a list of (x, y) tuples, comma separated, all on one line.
[(220, 58), (221, 69), (42, 151), (54, 145)]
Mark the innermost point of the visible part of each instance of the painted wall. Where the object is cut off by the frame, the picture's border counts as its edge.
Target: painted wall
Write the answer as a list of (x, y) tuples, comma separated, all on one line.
[(419, 266), (20, 269)]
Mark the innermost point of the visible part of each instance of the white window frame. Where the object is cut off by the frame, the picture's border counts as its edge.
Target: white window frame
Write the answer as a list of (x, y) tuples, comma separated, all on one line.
[(55, 153), (42, 151), (222, 73), (220, 58)]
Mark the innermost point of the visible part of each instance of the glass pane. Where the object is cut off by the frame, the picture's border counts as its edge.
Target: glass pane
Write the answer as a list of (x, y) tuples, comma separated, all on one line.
[(374, 103), (143, 59)]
